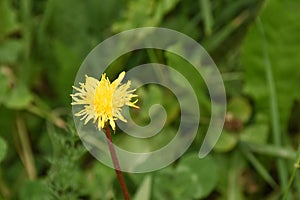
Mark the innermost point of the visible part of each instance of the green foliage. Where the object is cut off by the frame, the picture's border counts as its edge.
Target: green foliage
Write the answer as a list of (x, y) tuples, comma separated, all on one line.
[(4, 87), (283, 53), (42, 45), (10, 50), (191, 179), (3, 149), (144, 13), (144, 191), (64, 178), (226, 142), (34, 190), (240, 109), (18, 98), (7, 19)]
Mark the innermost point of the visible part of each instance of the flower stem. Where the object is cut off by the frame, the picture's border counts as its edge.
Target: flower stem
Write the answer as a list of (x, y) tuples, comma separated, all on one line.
[(116, 164)]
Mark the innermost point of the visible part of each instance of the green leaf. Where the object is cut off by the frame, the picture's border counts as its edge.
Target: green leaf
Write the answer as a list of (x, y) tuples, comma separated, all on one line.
[(153, 95), (226, 142), (18, 98), (240, 108), (3, 149), (34, 190), (202, 173), (193, 178), (100, 181), (145, 145), (256, 133), (63, 78), (284, 52), (64, 178), (144, 13), (10, 51), (8, 22), (188, 71), (144, 191), (4, 82)]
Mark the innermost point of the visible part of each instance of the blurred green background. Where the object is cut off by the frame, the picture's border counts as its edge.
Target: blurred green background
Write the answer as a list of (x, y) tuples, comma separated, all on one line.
[(254, 43)]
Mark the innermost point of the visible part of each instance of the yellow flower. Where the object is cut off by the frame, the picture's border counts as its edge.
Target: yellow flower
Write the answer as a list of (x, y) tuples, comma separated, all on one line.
[(102, 100)]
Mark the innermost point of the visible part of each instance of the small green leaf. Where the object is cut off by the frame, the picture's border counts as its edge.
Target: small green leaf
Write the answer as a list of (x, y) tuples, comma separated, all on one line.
[(194, 178), (240, 108), (18, 98), (7, 19), (144, 190), (3, 149), (202, 175), (226, 142), (257, 133), (10, 51), (154, 95)]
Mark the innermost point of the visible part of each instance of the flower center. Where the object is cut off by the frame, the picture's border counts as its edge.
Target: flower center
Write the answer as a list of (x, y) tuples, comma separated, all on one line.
[(103, 99)]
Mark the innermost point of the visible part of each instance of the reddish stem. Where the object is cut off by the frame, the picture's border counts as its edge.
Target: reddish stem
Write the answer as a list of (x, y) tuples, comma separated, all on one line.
[(116, 164)]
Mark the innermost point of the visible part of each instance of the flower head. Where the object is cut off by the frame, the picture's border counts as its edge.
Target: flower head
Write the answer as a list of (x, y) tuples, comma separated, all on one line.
[(102, 100)]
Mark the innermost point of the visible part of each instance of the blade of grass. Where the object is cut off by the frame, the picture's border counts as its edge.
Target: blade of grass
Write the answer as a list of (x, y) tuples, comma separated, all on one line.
[(45, 21), (207, 16), (281, 166), (234, 191), (144, 191), (27, 154), (297, 184), (153, 57), (263, 172), (229, 11), (215, 41), (293, 176), (4, 190), (271, 150), (291, 180), (26, 18)]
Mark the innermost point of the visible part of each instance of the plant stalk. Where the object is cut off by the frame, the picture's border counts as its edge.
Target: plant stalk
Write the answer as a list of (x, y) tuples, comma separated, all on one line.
[(116, 164), (288, 188)]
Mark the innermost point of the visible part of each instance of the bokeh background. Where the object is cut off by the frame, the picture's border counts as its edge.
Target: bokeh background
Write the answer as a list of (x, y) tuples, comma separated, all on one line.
[(255, 44)]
